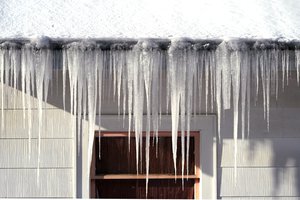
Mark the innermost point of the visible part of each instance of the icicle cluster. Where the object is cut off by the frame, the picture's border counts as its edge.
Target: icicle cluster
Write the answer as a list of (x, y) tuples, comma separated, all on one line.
[(225, 75)]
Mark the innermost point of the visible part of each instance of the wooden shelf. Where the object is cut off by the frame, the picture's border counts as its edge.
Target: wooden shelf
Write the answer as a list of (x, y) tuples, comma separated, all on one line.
[(152, 134), (142, 176)]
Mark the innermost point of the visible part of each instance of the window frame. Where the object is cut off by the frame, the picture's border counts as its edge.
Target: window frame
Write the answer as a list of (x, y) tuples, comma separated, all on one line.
[(207, 124), (195, 176)]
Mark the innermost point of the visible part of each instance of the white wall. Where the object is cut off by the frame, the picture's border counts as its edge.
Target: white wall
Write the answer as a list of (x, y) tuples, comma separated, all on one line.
[(268, 162), (18, 172)]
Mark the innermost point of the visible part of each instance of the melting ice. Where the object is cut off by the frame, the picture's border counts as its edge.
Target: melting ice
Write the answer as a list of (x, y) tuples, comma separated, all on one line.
[(224, 75)]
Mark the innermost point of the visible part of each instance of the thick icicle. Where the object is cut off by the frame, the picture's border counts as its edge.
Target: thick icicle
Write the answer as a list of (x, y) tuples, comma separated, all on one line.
[(99, 66), (148, 54), (206, 65), (219, 90), (184, 60), (177, 70), (235, 60), (191, 78), (226, 74), (244, 76), (2, 65), (298, 64)]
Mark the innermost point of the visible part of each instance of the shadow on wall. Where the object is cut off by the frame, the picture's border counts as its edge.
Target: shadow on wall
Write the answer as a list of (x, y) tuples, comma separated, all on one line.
[(268, 161)]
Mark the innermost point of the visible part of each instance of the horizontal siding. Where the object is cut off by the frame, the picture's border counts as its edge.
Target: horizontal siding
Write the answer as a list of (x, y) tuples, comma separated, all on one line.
[(23, 183), (18, 172), (55, 153), (284, 123), (56, 124), (260, 182), (269, 152), (13, 99)]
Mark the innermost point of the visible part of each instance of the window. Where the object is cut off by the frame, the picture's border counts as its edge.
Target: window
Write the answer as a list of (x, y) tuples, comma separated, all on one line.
[(114, 174)]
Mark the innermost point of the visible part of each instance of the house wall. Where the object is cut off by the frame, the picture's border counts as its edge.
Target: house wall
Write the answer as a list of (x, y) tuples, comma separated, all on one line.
[(268, 162), (18, 171)]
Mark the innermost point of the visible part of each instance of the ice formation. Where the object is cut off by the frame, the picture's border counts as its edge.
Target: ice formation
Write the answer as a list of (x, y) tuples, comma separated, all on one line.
[(223, 74)]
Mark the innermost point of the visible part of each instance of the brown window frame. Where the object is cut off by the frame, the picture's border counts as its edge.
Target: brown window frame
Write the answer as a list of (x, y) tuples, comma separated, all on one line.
[(195, 176)]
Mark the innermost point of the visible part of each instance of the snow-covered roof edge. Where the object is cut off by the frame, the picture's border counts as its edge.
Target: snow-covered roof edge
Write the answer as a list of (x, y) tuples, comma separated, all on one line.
[(128, 43)]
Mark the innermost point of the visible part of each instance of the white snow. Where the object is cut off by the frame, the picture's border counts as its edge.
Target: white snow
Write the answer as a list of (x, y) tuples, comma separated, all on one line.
[(150, 18)]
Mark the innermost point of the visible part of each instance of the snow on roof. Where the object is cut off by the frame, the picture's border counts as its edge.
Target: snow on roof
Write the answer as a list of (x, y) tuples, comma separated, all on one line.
[(150, 18)]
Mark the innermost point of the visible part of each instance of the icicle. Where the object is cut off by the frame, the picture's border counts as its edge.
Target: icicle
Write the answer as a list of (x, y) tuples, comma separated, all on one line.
[(248, 95), (148, 56), (156, 94), (2, 65), (226, 74), (287, 67), (283, 67), (274, 63), (92, 94), (235, 59), (130, 77), (40, 71), (191, 72), (219, 90), (263, 80), (138, 104), (183, 68), (206, 65), (138, 75), (268, 81), (175, 99), (244, 75), (64, 71), (297, 53), (99, 67), (27, 62), (72, 54), (256, 72), (212, 68), (200, 76)]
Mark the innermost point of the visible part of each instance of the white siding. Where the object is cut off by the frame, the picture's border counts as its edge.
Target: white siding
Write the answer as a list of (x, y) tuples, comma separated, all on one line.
[(56, 124), (268, 161), (260, 182), (55, 153), (267, 152), (18, 172), (23, 183)]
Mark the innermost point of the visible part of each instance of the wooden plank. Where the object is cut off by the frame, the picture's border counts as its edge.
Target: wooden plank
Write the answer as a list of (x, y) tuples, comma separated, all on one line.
[(197, 189), (55, 183), (125, 134), (269, 152), (55, 153), (143, 176), (260, 182), (56, 124)]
